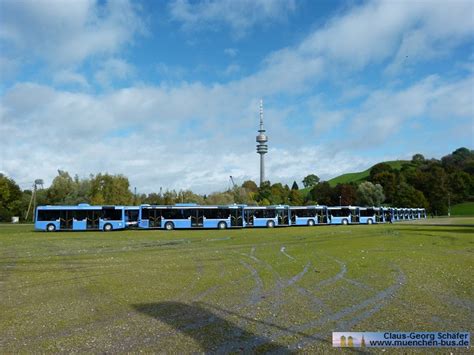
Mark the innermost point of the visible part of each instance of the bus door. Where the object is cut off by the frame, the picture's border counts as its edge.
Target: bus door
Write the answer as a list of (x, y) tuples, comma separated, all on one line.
[(322, 216), (355, 214), (236, 217), (93, 219), (65, 219), (248, 216), (154, 218), (293, 216), (197, 218), (282, 215)]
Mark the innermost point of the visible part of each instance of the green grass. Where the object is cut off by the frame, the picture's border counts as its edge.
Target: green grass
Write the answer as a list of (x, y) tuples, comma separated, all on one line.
[(463, 209), (357, 177), (233, 290)]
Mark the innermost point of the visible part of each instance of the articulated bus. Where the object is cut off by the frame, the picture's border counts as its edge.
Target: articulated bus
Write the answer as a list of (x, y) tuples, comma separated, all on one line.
[(343, 215), (400, 214), (388, 214), (368, 215), (266, 216), (131, 216), (379, 215), (308, 215), (190, 216), (421, 212), (85, 217), (79, 218)]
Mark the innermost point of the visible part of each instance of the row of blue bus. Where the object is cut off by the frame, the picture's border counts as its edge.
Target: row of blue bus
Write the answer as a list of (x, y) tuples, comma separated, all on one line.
[(189, 216)]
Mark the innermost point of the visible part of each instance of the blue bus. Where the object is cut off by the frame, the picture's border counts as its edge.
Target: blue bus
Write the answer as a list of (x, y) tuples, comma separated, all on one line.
[(421, 213), (266, 216), (308, 215), (368, 215), (343, 215), (190, 216), (388, 214), (380, 213), (398, 214), (79, 218), (131, 216)]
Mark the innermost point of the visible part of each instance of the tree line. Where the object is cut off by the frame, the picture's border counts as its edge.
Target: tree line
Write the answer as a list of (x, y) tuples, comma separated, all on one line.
[(430, 183)]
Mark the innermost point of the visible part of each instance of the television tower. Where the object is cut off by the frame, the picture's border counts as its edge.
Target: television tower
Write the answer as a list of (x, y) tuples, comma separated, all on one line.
[(262, 147)]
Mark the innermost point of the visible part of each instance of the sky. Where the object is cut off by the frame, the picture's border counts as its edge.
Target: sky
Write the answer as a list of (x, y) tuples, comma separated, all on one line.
[(167, 93)]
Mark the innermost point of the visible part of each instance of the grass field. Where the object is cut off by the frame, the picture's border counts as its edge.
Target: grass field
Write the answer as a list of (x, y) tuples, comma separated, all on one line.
[(463, 209), (235, 290)]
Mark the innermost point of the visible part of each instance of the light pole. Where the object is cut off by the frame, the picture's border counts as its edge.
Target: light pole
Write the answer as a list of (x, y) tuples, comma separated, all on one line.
[(449, 205), (340, 200)]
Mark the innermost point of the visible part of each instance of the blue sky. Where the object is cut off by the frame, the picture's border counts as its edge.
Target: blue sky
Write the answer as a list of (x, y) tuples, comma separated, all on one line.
[(167, 92)]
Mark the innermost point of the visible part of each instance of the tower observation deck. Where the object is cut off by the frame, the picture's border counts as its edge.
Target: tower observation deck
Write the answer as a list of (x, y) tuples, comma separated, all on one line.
[(262, 147)]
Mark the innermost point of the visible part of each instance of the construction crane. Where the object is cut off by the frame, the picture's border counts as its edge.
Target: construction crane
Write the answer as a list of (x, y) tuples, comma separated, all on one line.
[(233, 182)]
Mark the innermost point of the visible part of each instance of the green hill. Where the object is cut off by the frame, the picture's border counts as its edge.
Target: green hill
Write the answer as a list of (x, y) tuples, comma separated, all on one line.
[(359, 176), (463, 209), (363, 175)]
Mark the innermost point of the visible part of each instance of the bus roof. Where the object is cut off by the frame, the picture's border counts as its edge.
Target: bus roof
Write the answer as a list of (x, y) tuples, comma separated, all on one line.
[(81, 206)]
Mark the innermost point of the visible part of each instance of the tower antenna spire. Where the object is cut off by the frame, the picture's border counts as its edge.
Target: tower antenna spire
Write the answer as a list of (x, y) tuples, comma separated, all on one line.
[(262, 147)]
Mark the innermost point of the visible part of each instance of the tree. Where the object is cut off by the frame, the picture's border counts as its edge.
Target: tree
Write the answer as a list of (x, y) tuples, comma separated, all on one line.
[(379, 168), (187, 196), (389, 183), (310, 180), (295, 198), (295, 186), (347, 192), (264, 192), (250, 186), (460, 186), (220, 198), (170, 197), (110, 189), (418, 159), (322, 193), (460, 159), (369, 194), (10, 198), (436, 190), (60, 188), (278, 194), (153, 199), (408, 196)]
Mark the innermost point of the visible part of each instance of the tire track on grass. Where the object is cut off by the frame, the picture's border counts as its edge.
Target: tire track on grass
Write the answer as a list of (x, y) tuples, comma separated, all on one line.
[(371, 306)]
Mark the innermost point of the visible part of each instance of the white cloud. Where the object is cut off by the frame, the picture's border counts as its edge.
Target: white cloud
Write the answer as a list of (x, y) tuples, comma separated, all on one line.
[(8, 67), (232, 69), (385, 112), (113, 69), (375, 31), (231, 52), (67, 32), (194, 135), (68, 77), (239, 15), (170, 71)]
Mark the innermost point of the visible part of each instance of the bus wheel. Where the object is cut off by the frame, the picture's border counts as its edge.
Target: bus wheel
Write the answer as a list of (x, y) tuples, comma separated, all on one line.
[(222, 225), (310, 223), (107, 227), (270, 224), (369, 221), (169, 226), (50, 228), (344, 221)]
